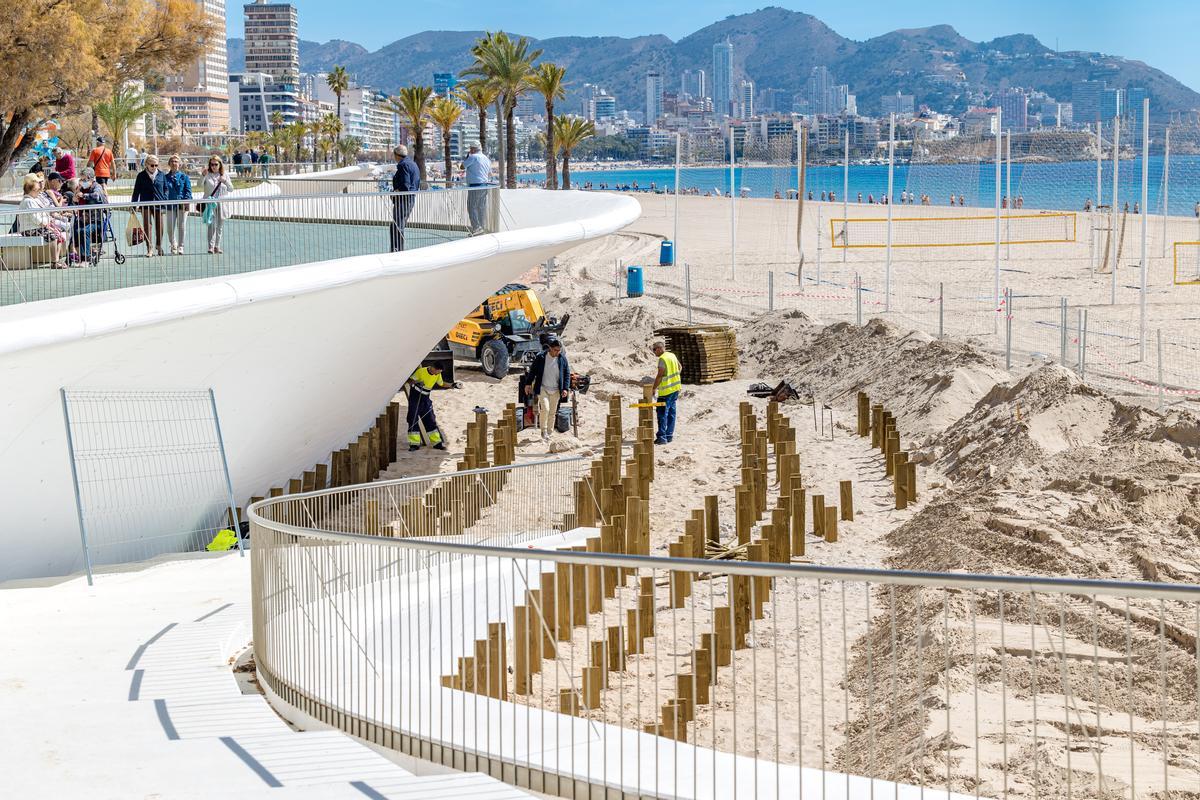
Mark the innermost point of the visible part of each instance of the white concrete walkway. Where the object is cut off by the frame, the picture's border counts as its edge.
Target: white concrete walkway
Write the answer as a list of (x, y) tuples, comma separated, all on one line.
[(126, 690)]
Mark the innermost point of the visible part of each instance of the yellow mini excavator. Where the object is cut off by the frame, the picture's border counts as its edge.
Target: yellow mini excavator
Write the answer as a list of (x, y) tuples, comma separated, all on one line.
[(507, 329)]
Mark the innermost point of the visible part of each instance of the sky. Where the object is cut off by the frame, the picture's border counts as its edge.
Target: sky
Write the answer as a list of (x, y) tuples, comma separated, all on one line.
[(1163, 33)]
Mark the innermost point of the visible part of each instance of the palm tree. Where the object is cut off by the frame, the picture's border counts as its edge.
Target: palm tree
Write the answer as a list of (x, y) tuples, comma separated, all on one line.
[(331, 128), (297, 132), (338, 81), (348, 148), (569, 133), (547, 81), (444, 112), (507, 64), (413, 104), (480, 95), (126, 107)]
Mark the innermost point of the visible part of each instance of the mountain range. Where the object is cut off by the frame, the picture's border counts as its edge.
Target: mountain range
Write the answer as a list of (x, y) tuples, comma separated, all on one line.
[(775, 48)]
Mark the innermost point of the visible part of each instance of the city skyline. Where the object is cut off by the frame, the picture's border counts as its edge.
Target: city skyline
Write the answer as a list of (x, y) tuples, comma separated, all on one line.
[(1159, 35)]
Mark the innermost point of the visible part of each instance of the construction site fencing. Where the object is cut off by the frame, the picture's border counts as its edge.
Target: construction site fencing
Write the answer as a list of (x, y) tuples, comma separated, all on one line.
[(504, 650), (106, 246)]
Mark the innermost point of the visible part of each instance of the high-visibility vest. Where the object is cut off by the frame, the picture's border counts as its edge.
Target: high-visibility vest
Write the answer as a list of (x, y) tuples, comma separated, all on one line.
[(670, 383), (423, 381)]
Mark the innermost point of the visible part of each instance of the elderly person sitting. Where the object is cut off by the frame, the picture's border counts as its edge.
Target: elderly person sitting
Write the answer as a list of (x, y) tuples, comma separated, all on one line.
[(89, 225), (34, 219)]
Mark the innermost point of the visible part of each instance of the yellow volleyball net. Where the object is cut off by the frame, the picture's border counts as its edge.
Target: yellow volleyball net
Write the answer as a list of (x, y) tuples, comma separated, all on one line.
[(1187, 263), (970, 229)]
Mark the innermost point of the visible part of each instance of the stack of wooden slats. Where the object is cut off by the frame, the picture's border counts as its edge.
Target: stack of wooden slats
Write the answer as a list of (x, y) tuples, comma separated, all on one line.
[(707, 353)]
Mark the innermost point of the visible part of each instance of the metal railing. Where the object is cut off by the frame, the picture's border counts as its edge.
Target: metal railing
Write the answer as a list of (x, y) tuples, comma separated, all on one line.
[(496, 646), (99, 247)]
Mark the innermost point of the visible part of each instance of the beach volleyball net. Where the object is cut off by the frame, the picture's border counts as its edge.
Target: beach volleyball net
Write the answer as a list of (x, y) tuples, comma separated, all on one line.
[(1187, 263), (967, 229)]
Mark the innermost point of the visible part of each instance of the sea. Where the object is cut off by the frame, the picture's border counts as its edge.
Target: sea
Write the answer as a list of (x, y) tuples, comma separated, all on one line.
[(1061, 185)]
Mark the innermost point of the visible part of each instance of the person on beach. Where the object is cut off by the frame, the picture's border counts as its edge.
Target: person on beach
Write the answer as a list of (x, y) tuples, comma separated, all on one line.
[(179, 187), (407, 178), (150, 186), (131, 158), (551, 382), (216, 186), (100, 160), (666, 387), (478, 169), (420, 407)]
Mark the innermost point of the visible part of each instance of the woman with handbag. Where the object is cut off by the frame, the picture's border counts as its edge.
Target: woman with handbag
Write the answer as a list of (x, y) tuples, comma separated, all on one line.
[(216, 186), (150, 186)]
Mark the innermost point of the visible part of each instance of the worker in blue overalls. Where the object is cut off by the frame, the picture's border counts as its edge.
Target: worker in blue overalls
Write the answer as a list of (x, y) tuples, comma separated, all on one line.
[(420, 406)]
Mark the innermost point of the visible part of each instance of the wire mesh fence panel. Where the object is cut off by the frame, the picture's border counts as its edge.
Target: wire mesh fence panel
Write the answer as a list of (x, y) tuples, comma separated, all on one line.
[(149, 470)]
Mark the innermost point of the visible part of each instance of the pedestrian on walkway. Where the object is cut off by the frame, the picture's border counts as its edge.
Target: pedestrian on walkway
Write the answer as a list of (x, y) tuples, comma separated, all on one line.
[(478, 168), (406, 179), (666, 387), (179, 187), (101, 161), (551, 382), (216, 186)]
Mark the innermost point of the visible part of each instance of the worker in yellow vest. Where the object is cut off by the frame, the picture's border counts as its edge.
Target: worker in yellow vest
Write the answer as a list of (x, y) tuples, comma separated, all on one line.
[(420, 406), (666, 385)]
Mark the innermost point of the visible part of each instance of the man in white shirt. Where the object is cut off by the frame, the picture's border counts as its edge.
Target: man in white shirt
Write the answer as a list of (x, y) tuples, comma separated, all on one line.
[(479, 174)]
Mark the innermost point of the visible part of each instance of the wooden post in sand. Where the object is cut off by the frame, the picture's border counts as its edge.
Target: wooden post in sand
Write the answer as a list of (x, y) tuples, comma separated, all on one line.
[(712, 520), (910, 481), (702, 671), (797, 508), (521, 672), (847, 500), (818, 515), (831, 523)]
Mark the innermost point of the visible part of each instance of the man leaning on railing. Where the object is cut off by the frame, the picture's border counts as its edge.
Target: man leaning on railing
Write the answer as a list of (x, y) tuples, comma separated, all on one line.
[(406, 179), (479, 175)]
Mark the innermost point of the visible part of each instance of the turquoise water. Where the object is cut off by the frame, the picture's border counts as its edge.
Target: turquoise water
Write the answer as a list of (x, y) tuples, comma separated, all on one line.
[(1059, 185)]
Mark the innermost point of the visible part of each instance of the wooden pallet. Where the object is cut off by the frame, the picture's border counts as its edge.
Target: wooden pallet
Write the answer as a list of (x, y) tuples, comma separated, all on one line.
[(707, 353)]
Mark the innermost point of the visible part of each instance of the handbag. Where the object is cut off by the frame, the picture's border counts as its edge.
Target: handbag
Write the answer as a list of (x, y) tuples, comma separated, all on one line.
[(134, 234), (207, 214)]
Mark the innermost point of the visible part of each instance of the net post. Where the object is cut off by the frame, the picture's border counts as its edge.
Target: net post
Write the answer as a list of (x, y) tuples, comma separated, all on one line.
[(1008, 295), (687, 290), (941, 310), (887, 275), (732, 207), (87, 556), (1145, 215), (996, 254), (1166, 193), (1114, 236), (1161, 388), (1062, 331), (675, 233), (845, 196)]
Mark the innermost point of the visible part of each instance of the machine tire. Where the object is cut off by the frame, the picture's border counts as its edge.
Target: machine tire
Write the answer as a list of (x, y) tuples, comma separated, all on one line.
[(494, 359)]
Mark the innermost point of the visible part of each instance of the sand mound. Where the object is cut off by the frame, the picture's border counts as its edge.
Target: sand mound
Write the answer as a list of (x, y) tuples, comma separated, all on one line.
[(1017, 426)]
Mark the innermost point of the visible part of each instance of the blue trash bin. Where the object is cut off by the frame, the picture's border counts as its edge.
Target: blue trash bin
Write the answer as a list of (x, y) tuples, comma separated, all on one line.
[(633, 281), (666, 254)]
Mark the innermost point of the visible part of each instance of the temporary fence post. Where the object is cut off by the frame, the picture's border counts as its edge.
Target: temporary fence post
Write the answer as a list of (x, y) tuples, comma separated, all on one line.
[(771, 290), (1079, 340), (996, 269), (820, 236), (1083, 346), (617, 281), (941, 310), (87, 556), (887, 272), (1008, 295), (675, 233), (1145, 226), (212, 401), (687, 290), (1161, 388), (1008, 194), (1062, 331), (858, 299)]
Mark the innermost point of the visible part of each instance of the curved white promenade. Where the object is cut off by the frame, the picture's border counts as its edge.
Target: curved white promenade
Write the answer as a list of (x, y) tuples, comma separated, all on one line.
[(301, 359), (126, 690)]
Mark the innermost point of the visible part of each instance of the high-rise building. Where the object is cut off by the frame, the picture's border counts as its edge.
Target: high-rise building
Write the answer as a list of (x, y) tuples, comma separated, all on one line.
[(746, 99), (199, 95), (1085, 98), (1132, 104), (902, 105), (821, 92), (722, 78), (654, 97), (604, 106), (1111, 103), (444, 83), (692, 84), (272, 40), (256, 97), (1014, 110), (589, 92)]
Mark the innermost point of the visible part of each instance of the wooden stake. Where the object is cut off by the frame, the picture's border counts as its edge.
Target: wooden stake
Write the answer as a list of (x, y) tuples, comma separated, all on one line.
[(831, 523), (521, 638), (818, 514), (847, 500)]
